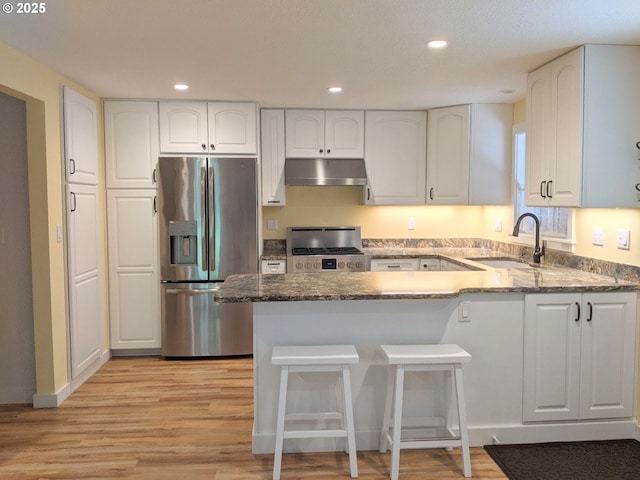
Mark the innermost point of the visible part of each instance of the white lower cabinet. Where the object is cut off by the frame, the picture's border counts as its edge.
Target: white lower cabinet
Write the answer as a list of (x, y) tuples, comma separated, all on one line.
[(579, 356), (134, 283)]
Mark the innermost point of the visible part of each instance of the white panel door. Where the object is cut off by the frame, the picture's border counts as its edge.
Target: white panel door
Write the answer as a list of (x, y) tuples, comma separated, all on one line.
[(551, 357), (344, 133), (232, 128), (608, 355), (83, 225), (131, 143), (183, 127), (304, 133), (566, 74), (80, 138), (448, 155), (134, 283), (272, 158), (395, 157)]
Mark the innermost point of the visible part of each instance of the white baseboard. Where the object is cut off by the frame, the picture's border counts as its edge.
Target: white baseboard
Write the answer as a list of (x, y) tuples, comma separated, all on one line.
[(53, 400), (478, 436)]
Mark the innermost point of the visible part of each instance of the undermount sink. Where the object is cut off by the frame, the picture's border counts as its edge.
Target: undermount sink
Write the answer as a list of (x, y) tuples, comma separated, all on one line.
[(508, 264)]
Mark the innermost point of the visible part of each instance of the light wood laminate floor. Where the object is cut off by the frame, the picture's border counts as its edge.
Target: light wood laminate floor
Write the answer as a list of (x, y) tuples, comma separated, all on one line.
[(155, 419)]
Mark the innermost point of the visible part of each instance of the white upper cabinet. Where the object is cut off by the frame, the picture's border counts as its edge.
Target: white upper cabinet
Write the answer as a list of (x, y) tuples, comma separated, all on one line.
[(214, 128), (469, 155), (582, 127), (320, 133), (80, 138), (131, 143), (272, 157), (395, 157)]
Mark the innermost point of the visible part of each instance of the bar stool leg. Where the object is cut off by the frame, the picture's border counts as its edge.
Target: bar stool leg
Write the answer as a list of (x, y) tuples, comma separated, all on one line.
[(282, 402), (348, 412), (462, 422), (397, 422), (386, 417)]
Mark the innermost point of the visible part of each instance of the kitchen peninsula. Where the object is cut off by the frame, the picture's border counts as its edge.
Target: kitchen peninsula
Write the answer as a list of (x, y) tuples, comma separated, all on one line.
[(553, 348)]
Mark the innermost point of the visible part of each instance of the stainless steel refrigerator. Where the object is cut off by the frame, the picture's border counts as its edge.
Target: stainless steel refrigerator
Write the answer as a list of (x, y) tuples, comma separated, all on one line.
[(208, 231)]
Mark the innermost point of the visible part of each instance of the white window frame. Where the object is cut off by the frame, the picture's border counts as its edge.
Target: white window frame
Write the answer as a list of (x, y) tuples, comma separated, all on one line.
[(566, 244)]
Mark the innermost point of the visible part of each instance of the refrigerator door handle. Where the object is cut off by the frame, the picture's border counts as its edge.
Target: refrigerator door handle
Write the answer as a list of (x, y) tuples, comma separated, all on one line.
[(211, 220)]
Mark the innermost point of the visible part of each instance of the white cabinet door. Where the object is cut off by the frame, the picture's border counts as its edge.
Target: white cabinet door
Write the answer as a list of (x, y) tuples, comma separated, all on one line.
[(566, 75), (80, 138), (232, 128), (551, 357), (272, 158), (131, 143), (344, 133), (396, 157), (134, 283), (539, 143), (448, 155), (304, 133), (608, 355), (83, 233), (183, 127), (579, 354)]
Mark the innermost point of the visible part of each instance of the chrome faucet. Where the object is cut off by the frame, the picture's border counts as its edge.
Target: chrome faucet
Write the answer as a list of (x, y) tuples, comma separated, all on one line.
[(538, 252)]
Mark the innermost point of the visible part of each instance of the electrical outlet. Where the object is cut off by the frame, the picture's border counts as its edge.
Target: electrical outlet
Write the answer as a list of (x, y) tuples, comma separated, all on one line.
[(498, 225), (59, 233), (623, 239), (411, 224), (598, 236), (272, 224)]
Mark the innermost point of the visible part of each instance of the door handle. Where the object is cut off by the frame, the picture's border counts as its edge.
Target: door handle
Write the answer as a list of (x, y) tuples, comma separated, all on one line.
[(73, 164), (548, 185), (73, 196), (542, 189), (431, 193), (590, 317), (577, 319), (155, 204)]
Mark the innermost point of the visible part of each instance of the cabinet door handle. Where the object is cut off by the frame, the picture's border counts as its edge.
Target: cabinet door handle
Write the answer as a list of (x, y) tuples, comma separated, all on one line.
[(368, 193), (638, 145), (73, 197), (154, 175), (321, 150), (638, 187), (328, 151), (542, 189), (548, 192), (204, 147), (155, 204), (577, 319), (213, 147), (590, 317), (431, 193), (73, 165), (273, 201)]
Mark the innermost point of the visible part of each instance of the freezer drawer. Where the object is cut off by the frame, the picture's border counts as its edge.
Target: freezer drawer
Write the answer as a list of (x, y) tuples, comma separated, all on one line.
[(193, 325)]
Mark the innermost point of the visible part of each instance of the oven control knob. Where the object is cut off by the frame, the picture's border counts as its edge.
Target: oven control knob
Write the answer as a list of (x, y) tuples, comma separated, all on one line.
[(299, 266), (316, 265), (340, 264), (307, 265), (358, 265)]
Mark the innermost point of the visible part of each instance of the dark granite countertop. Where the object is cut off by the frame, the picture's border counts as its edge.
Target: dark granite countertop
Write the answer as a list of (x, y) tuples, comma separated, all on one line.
[(412, 285)]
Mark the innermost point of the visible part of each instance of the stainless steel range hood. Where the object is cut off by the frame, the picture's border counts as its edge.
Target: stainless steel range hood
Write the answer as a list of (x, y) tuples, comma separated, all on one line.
[(325, 171)]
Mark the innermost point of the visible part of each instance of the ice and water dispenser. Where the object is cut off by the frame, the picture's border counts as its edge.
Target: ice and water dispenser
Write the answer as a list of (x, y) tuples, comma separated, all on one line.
[(183, 237)]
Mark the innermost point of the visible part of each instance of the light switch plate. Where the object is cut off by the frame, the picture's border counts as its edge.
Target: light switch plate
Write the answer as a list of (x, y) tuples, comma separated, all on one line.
[(497, 226), (624, 239), (272, 224), (411, 224), (598, 236)]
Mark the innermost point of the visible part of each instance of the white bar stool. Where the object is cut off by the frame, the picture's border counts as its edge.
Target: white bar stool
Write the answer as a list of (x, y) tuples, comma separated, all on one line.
[(447, 358), (310, 359)]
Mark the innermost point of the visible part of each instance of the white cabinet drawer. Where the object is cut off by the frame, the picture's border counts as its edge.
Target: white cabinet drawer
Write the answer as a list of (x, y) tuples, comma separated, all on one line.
[(273, 266), (395, 264)]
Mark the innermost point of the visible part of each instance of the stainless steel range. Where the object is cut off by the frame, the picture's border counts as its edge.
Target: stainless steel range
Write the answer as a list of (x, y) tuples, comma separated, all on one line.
[(325, 249)]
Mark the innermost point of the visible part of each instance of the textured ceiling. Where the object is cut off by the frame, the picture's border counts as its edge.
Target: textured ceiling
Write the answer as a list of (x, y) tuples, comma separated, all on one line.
[(287, 52)]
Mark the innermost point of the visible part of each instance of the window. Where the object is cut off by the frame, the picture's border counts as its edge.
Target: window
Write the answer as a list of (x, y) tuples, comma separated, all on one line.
[(556, 224)]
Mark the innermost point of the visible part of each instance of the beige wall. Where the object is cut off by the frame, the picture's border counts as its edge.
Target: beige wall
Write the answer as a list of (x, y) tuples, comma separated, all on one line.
[(40, 88)]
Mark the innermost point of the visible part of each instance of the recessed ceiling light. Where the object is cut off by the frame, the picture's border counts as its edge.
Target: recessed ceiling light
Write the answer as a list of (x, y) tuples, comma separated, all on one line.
[(335, 89), (437, 43), (181, 87)]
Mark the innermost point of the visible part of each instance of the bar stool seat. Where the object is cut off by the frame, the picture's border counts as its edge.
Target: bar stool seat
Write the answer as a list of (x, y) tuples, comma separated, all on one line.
[(447, 358), (312, 359)]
